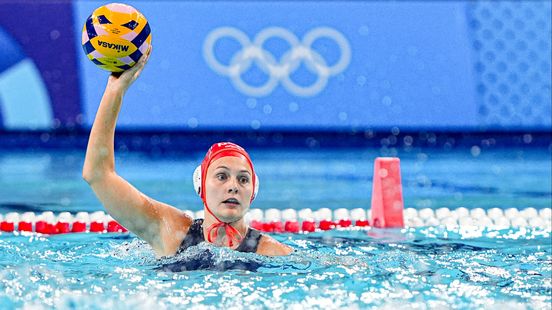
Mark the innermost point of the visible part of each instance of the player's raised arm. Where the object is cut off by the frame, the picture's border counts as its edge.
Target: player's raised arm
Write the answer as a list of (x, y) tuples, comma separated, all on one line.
[(157, 223)]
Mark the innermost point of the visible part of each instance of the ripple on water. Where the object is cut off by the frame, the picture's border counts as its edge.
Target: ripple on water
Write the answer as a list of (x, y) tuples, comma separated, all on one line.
[(432, 267)]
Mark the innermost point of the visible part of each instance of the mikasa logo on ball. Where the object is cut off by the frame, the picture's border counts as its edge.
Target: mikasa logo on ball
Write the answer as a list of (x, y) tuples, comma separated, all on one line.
[(278, 70), (117, 47)]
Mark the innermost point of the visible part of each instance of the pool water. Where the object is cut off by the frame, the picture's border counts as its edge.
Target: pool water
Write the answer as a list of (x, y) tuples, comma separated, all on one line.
[(418, 267), (423, 267)]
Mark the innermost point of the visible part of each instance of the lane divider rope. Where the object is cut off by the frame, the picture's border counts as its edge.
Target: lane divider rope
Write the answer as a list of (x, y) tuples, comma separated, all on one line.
[(387, 212), (290, 220)]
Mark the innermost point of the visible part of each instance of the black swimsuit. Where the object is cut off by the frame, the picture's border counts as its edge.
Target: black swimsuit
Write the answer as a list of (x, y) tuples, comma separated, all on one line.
[(195, 236), (205, 260)]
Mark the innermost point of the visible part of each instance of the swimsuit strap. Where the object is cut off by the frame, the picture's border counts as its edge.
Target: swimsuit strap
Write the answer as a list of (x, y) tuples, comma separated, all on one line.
[(250, 242), (195, 236)]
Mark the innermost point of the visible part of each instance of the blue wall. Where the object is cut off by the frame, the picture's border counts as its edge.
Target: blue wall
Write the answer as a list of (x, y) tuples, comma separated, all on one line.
[(322, 65)]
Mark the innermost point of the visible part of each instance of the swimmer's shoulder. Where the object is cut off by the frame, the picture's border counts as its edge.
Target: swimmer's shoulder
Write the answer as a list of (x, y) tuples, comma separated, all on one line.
[(268, 246), (175, 227)]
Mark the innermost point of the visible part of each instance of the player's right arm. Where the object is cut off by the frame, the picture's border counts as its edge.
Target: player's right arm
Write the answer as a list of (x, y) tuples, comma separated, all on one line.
[(159, 224)]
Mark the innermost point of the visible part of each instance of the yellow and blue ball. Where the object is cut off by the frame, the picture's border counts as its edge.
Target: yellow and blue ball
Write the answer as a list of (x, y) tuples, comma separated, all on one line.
[(115, 36)]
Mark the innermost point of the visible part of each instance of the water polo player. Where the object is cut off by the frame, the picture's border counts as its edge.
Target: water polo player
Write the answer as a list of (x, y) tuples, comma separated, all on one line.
[(226, 182)]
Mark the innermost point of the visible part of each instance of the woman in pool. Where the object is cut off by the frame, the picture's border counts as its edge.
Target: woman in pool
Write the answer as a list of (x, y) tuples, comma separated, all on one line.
[(226, 182)]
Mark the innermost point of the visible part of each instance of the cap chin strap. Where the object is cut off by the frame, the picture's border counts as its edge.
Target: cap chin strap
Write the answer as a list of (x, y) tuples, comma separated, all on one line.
[(212, 232), (231, 232)]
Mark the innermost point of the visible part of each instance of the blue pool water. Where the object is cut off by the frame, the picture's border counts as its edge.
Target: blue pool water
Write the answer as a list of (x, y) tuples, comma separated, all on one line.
[(421, 267), (415, 267)]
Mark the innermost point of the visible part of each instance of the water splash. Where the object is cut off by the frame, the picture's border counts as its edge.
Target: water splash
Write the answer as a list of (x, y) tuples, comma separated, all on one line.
[(423, 267)]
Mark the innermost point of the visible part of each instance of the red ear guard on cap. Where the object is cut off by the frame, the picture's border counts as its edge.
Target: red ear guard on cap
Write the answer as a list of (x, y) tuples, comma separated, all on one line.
[(216, 151)]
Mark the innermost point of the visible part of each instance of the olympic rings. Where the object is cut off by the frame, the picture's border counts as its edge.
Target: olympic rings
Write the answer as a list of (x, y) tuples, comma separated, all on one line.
[(253, 53)]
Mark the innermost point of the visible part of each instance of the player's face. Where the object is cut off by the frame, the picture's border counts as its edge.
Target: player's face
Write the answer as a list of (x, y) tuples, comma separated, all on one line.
[(229, 186)]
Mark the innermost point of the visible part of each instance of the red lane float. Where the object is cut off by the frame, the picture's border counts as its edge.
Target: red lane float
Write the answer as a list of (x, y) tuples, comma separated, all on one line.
[(113, 226), (48, 224), (25, 226), (63, 224), (80, 222), (322, 220), (326, 225), (7, 226), (308, 226), (291, 227), (476, 218), (8, 223), (26, 222), (78, 227)]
